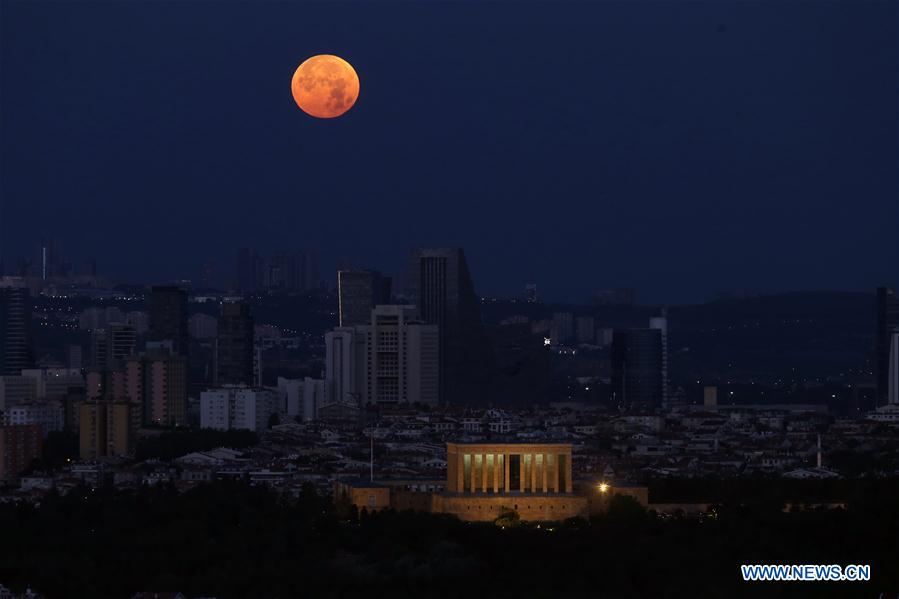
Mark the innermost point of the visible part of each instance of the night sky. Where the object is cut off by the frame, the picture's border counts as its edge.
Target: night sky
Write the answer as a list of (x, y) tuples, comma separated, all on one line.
[(681, 148)]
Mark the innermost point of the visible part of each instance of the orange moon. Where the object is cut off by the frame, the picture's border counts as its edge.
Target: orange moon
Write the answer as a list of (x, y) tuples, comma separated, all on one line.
[(325, 86)]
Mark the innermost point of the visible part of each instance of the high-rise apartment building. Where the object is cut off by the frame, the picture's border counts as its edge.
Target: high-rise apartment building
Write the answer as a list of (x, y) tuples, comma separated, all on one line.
[(48, 414), (120, 431), (234, 348), (108, 419), (19, 446), (301, 398), (157, 381), (92, 430), (230, 407), (168, 317)]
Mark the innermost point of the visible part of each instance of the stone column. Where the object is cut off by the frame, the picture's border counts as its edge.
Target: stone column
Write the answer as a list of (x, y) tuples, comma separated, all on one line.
[(544, 473), (484, 473), (495, 472), (568, 473), (522, 484), (556, 474), (533, 481), (460, 472), (506, 471)]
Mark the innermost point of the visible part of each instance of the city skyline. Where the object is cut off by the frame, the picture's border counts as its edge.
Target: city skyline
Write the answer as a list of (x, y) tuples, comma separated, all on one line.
[(228, 274), (450, 298)]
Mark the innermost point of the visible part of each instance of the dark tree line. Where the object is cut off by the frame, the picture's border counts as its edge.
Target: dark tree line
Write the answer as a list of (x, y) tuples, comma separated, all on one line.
[(772, 490), (228, 539)]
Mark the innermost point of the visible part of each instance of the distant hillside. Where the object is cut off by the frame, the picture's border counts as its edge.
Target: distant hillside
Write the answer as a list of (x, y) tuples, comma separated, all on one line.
[(814, 333)]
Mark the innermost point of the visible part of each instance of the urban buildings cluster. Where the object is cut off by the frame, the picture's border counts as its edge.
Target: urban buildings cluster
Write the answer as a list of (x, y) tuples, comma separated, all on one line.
[(388, 391)]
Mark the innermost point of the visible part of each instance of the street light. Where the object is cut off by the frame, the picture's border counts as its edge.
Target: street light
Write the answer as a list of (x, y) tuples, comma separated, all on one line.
[(603, 488)]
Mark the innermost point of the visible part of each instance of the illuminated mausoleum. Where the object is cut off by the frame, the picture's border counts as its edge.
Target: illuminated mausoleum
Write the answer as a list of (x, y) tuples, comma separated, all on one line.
[(483, 480), (486, 480)]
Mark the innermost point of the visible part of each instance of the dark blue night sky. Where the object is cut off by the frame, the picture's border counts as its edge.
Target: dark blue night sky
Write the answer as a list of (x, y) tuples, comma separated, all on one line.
[(681, 148)]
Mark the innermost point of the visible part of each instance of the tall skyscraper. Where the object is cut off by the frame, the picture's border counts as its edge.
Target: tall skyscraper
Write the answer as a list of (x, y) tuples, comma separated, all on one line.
[(637, 378), (661, 323), (887, 323), (445, 296), (168, 317), (234, 351), (395, 359), (345, 360), (15, 330), (358, 292)]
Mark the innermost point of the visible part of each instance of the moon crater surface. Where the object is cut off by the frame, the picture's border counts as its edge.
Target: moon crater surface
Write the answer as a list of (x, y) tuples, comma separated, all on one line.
[(325, 86)]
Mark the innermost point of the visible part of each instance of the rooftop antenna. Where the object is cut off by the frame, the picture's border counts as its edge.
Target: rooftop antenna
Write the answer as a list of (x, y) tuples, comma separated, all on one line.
[(371, 454)]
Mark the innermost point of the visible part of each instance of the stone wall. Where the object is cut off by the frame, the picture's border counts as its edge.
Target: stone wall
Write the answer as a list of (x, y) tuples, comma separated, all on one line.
[(534, 508)]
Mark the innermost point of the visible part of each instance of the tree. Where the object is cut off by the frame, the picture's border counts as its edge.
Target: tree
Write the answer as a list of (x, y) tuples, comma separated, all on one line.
[(508, 518), (626, 510)]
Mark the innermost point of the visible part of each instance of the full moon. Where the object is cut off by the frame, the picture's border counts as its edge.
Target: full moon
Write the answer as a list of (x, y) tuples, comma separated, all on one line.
[(325, 86)]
